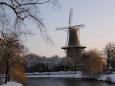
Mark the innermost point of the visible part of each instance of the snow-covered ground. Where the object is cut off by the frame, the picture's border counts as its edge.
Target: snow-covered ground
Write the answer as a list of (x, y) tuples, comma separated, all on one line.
[(12, 84)]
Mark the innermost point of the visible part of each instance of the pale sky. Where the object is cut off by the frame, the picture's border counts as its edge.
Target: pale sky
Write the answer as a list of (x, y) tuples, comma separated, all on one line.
[(97, 15)]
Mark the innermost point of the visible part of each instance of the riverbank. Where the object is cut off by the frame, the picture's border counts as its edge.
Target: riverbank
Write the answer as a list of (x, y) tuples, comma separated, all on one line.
[(69, 74), (12, 83), (107, 77), (61, 74)]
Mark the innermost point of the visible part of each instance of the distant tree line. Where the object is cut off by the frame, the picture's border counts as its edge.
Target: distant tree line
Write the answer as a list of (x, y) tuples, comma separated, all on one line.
[(37, 63), (93, 61)]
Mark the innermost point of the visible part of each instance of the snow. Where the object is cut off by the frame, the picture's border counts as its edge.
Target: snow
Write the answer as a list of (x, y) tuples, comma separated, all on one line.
[(61, 74), (107, 77), (12, 84), (58, 76)]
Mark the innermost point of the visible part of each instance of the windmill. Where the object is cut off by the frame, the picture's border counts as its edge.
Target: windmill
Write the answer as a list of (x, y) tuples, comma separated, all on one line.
[(73, 47)]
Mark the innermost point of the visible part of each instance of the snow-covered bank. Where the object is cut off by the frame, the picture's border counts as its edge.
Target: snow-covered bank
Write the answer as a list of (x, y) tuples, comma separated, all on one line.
[(69, 74), (12, 84), (61, 74), (56, 76), (107, 77)]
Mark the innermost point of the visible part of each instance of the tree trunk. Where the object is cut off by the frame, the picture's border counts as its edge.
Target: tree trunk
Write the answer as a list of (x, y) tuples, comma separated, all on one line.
[(7, 78)]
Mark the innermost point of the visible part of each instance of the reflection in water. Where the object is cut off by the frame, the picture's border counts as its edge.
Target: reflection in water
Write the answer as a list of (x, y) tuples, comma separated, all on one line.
[(64, 82)]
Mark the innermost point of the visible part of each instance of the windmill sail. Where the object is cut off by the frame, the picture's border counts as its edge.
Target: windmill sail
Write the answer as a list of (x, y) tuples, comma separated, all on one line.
[(70, 17)]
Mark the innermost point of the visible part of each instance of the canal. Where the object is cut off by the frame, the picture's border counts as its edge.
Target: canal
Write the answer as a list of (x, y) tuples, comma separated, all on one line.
[(64, 82)]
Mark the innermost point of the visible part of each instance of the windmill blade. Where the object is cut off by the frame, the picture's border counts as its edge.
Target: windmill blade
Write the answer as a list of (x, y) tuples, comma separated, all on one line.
[(70, 17), (78, 26), (67, 40), (61, 28)]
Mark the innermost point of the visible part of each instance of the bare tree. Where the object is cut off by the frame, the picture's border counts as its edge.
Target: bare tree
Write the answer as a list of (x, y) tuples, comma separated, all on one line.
[(11, 54), (2, 41), (14, 16), (17, 14), (109, 51), (93, 62)]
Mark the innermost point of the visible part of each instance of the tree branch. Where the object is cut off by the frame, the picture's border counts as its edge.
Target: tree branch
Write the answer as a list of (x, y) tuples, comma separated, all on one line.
[(3, 3), (34, 3)]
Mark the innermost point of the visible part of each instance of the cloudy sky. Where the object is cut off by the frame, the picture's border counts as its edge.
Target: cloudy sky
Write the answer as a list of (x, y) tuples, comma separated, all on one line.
[(97, 15)]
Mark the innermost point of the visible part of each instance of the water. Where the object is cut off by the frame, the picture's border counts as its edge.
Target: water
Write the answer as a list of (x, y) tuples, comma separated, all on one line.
[(64, 82)]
